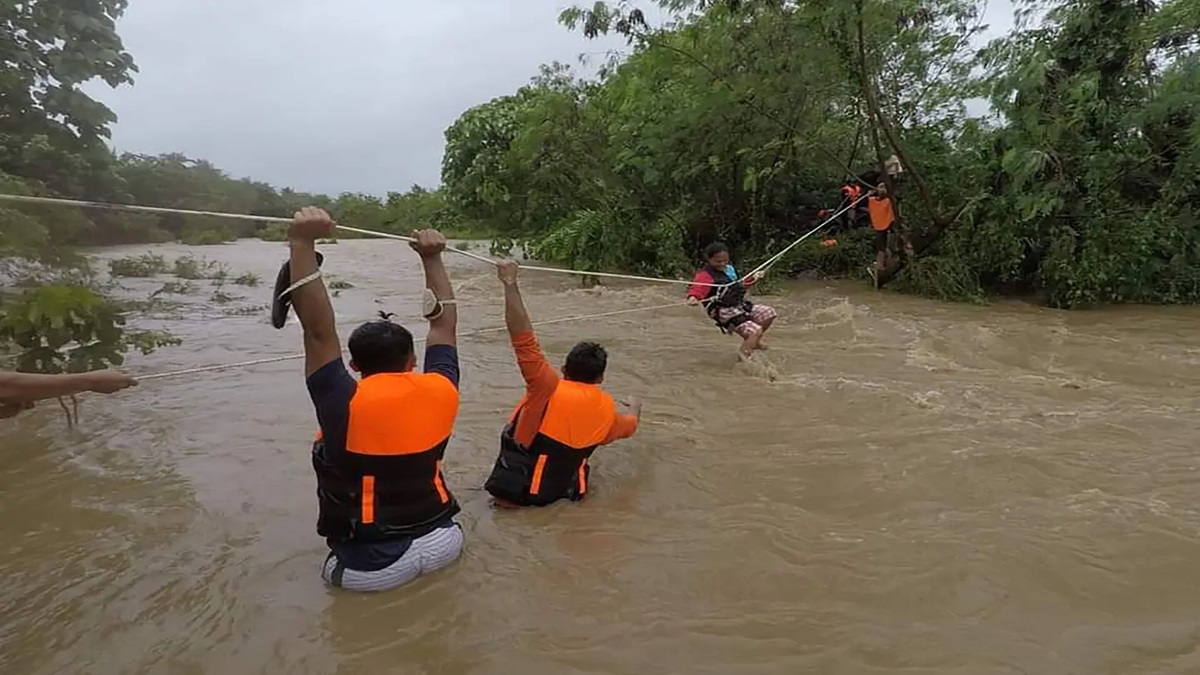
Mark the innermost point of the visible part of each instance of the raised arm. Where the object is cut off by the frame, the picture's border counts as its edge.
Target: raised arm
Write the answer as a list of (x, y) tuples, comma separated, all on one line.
[(516, 317), (443, 327), (540, 378), (311, 300)]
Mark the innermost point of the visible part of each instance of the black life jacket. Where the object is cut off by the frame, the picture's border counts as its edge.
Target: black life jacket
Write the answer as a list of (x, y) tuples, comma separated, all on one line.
[(369, 494), (554, 466), (727, 297)]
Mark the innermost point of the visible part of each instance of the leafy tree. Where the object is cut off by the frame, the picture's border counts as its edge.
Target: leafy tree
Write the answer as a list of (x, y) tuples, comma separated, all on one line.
[(737, 119)]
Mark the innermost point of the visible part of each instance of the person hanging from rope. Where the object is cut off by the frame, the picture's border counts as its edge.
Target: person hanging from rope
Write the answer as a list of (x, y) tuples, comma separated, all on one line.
[(726, 302), (385, 511), (20, 391), (560, 421)]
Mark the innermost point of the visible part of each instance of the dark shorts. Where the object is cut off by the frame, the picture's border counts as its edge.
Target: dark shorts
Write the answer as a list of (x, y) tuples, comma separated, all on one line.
[(881, 240)]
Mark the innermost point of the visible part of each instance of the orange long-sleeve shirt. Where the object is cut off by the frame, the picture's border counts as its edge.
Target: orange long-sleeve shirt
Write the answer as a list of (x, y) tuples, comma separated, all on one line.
[(541, 380)]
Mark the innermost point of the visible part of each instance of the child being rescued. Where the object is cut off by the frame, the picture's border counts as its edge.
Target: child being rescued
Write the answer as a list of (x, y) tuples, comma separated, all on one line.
[(727, 305)]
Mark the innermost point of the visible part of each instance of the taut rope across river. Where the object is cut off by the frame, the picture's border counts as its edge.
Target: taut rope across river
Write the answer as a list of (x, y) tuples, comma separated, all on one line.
[(720, 286)]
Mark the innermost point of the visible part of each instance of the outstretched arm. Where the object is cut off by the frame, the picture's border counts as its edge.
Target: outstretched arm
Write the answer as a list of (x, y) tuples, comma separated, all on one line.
[(18, 388), (311, 301), (626, 425)]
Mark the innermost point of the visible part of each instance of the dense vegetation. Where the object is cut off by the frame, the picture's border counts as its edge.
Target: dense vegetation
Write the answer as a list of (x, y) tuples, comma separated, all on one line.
[(737, 119), (740, 118)]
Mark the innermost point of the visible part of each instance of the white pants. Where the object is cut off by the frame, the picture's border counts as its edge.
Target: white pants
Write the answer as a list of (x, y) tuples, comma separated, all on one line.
[(427, 554)]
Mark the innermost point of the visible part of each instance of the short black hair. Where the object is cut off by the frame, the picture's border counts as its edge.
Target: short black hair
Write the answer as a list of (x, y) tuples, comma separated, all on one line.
[(381, 347), (715, 248), (585, 363)]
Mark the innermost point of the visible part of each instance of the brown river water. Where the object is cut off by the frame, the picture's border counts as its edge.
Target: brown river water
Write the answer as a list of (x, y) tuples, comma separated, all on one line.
[(927, 489)]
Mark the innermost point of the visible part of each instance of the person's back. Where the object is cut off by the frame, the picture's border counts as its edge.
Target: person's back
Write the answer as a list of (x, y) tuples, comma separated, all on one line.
[(384, 508), (559, 422), (387, 453)]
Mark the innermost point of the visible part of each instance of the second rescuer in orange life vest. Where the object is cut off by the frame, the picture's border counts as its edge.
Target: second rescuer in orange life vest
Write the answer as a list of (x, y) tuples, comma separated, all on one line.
[(559, 423)]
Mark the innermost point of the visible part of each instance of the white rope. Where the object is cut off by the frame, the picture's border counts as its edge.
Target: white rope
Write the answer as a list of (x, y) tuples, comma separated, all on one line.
[(778, 256), (385, 235), (292, 357), (388, 235), (308, 279)]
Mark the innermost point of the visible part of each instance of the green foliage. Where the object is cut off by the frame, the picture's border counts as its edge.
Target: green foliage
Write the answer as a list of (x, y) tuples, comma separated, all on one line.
[(733, 125), (64, 328), (248, 279), (52, 133), (191, 267), (738, 120), (146, 265), (1093, 179), (846, 258)]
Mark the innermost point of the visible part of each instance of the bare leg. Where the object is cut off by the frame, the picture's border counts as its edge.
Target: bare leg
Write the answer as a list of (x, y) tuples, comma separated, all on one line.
[(766, 325), (762, 317), (751, 335)]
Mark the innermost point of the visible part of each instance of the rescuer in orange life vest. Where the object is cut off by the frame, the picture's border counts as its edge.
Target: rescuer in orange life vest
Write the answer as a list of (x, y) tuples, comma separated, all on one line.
[(385, 511), (559, 423)]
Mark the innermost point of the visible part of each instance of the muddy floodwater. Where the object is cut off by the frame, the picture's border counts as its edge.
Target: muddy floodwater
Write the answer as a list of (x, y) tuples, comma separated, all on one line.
[(927, 489)]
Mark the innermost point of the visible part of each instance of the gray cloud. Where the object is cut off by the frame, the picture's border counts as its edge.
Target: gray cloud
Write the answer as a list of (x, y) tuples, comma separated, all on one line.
[(325, 96), (331, 96)]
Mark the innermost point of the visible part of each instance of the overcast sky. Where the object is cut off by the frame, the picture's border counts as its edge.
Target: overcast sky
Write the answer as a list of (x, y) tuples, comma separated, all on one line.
[(328, 96)]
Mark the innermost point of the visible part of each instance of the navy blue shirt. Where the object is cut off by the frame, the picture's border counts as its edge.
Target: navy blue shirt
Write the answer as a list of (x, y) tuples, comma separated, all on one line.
[(331, 388)]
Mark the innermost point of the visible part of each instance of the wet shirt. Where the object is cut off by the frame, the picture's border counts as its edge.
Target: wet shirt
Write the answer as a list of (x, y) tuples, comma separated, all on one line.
[(331, 389)]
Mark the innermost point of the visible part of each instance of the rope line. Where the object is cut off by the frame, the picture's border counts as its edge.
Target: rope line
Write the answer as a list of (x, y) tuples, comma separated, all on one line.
[(762, 268), (388, 235), (779, 256), (276, 219), (495, 329)]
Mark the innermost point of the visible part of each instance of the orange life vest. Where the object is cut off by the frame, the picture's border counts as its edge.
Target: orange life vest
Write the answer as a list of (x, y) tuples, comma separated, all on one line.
[(881, 212), (578, 419), (388, 481)]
